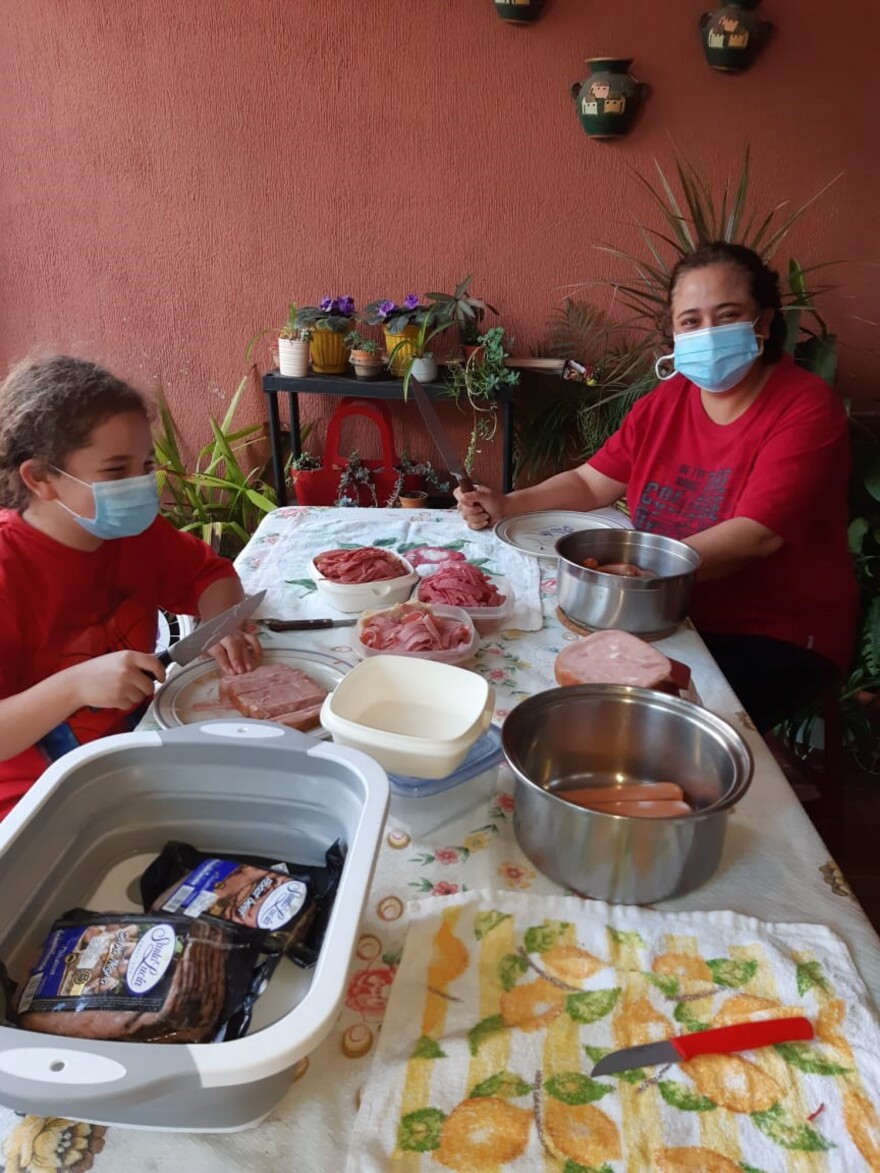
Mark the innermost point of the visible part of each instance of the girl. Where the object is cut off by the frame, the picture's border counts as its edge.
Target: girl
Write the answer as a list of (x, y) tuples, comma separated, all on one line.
[(745, 457), (85, 566)]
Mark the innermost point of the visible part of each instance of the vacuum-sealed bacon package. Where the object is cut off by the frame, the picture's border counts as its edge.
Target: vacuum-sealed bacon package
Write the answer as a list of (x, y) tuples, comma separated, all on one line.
[(287, 905), (150, 979)]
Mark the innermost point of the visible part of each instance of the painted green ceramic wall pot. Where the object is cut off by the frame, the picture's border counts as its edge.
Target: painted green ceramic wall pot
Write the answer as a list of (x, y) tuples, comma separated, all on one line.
[(519, 11), (608, 99), (732, 35)]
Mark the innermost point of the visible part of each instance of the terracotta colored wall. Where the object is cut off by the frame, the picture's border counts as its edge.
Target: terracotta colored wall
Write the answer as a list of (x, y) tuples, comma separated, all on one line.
[(174, 173)]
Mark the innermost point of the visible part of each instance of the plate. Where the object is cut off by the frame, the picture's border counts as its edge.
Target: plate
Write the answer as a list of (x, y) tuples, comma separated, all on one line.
[(537, 533), (191, 694)]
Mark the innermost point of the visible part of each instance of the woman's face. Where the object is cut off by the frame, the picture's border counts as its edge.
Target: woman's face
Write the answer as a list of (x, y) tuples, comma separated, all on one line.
[(716, 295)]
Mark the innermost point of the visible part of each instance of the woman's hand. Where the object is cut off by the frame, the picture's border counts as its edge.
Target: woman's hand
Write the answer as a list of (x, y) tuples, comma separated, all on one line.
[(481, 507), (239, 652)]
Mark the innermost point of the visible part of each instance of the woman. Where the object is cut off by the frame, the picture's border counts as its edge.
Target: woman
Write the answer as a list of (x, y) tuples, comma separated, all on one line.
[(745, 457)]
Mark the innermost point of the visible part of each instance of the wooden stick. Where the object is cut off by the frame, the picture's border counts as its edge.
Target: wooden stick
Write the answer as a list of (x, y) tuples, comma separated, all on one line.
[(555, 365)]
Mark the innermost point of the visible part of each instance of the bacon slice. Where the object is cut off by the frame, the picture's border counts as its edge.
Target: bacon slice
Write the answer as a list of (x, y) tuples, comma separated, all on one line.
[(365, 564), (460, 584)]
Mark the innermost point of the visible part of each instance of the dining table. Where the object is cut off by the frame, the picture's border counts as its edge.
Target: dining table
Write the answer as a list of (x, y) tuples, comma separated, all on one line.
[(774, 867)]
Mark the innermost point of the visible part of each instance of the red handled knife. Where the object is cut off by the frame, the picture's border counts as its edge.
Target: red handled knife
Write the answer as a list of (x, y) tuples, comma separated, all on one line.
[(745, 1036)]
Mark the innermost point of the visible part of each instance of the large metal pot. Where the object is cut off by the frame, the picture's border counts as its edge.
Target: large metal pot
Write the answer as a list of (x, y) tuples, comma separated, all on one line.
[(598, 734), (649, 607)]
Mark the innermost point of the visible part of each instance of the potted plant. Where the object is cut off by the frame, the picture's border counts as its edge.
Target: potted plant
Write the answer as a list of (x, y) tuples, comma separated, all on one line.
[(421, 363), (479, 381), (329, 323), (413, 481), (365, 355), (400, 325), (466, 312)]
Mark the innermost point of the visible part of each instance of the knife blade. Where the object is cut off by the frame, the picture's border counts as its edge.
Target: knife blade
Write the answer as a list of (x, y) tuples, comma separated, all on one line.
[(211, 631), (305, 624), (744, 1036), (440, 436)]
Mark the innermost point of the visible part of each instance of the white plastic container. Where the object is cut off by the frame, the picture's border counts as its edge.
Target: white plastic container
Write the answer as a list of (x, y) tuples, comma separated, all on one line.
[(84, 833), (479, 615), (457, 655), (357, 596), (415, 717)]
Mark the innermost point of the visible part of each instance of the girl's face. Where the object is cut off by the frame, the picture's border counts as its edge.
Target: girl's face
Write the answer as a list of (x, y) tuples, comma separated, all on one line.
[(120, 447), (716, 295)]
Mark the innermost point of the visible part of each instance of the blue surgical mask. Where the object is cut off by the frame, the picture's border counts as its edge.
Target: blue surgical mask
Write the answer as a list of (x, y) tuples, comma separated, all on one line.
[(123, 508), (716, 358)]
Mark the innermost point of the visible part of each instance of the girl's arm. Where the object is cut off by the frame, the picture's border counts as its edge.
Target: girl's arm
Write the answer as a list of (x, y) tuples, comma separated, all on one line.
[(241, 651), (729, 546)]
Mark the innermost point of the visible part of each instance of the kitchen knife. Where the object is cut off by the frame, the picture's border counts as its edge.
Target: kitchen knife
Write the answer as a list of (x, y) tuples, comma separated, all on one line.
[(211, 631), (305, 624), (440, 436), (745, 1036)]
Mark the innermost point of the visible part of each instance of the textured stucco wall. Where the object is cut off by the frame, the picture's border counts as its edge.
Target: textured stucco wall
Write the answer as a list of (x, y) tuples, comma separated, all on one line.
[(174, 173)]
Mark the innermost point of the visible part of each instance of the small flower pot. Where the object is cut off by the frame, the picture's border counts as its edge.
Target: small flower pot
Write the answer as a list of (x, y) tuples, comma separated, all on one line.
[(733, 35), (293, 358), (328, 352), (608, 100), (519, 11), (404, 342), (366, 365), (474, 355), (424, 369), (413, 499)]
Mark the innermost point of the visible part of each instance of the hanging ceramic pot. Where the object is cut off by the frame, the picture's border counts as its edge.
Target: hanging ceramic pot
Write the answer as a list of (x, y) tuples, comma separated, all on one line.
[(732, 35), (608, 100), (519, 11)]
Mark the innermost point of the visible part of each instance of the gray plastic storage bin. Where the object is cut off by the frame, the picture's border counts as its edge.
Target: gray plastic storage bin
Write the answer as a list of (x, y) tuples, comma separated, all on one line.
[(84, 834)]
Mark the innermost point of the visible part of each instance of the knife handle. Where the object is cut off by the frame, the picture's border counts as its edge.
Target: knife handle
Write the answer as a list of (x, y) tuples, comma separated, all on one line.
[(298, 624), (744, 1036), (465, 483)]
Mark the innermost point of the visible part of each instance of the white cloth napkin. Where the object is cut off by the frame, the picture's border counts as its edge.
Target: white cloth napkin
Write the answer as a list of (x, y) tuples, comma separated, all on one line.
[(278, 556), (504, 1001)]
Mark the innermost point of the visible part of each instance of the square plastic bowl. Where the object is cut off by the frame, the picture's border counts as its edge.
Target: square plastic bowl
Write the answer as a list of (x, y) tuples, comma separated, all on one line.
[(415, 717)]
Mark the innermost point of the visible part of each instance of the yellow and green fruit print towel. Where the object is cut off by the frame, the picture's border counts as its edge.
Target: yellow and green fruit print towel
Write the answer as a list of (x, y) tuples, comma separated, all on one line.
[(503, 1002)]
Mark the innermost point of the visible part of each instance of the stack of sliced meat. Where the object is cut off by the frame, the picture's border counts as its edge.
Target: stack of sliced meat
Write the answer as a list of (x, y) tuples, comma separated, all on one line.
[(275, 692), (413, 629), (612, 657), (460, 584), (365, 564)]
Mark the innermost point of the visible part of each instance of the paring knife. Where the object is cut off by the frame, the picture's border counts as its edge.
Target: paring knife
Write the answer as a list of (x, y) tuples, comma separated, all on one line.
[(211, 631), (440, 436), (745, 1036), (305, 624)]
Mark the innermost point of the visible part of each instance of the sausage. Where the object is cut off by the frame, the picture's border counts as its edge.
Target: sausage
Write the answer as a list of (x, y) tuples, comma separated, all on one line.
[(631, 792)]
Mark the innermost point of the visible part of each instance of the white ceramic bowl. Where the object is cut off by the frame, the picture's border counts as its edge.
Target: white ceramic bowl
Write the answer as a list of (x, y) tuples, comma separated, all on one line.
[(357, 596), (457, 655), (415, 717)]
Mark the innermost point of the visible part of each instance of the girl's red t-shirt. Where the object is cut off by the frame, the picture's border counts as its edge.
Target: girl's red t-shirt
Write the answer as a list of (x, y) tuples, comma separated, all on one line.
[(784, 463)]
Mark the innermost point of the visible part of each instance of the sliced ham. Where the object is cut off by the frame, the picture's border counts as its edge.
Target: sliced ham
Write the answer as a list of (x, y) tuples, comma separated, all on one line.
[(460, 584), (412, 628), (612, 657), (275, 692), (365, 564), (630, 792)]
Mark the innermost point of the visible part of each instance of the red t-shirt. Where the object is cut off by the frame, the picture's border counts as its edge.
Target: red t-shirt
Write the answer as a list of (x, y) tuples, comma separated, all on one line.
[(62, 606), (784, 463)]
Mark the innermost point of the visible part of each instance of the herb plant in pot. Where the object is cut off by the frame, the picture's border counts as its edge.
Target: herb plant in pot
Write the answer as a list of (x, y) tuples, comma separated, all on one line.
[(466, 312), (365, 355), (421, 364), (479, 381), (329, 323), (293, 347), (400, 324)]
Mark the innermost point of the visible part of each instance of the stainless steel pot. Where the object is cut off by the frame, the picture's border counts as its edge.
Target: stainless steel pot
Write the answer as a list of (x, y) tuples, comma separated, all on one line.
[(649, 607), (598, 734)]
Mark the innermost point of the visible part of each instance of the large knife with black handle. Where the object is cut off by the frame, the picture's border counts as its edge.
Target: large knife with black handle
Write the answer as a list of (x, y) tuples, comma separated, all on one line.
[(440, 436)]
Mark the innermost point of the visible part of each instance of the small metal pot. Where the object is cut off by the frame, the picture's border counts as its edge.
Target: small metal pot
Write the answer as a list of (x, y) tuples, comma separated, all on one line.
[(648, 607), (598, 734)]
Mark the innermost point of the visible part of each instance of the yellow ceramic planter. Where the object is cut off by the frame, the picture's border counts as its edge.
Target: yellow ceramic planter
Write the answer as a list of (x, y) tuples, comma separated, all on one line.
[(328, 352), (405, 343)]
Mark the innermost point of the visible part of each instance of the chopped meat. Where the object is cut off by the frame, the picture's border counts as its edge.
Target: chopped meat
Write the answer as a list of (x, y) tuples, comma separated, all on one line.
[(275, 692), (302, 719), (365, 564), (412, 628), (460, 584), (612, 657), (622, 569)]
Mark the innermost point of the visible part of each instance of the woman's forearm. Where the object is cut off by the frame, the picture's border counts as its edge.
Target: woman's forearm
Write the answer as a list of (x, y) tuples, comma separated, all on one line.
[(582, 489), (731, 545)]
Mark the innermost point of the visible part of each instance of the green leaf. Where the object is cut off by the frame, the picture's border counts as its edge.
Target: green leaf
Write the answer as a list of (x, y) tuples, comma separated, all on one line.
[(511, 967), (478, 1034), (679, 1095), (626, 937), (427, 1048), (485, 922), (790, 1134), (749, 1168), (419, 1131), (540, 938), (807, 1059), (306, 583), (665, 983), (503, 1083), (571, 1087), (591, 1005), (574, 1167), (809, 974), (682, 1013), (726, 972)]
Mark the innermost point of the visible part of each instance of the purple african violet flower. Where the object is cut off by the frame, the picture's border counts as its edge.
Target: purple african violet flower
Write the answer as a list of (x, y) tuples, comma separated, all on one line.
[(326, 303), (346, 306), (411, 301), (384, 308)]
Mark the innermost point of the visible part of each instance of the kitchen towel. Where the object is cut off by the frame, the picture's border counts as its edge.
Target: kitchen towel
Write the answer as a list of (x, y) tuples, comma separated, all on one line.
[(504, 1001), (278, 556)]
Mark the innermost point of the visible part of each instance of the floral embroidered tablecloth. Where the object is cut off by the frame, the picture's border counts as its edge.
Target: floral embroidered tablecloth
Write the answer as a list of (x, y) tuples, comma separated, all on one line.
[(774, 867)]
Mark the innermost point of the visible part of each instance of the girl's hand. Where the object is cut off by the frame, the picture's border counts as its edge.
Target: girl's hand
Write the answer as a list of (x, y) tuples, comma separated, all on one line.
[(239, 652), (481, 507), (119, 680)]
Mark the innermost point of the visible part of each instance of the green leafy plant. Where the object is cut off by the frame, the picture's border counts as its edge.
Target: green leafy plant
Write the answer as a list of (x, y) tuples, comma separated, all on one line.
[(465, 311), (290, 331), (355, 341), (306, 462), (479, 381), (424, 469), (434, 322), (218, 498)]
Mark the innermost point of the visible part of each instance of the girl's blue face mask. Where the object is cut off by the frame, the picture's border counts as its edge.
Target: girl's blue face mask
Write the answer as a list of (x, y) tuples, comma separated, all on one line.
[(123, 508), (716, 358)]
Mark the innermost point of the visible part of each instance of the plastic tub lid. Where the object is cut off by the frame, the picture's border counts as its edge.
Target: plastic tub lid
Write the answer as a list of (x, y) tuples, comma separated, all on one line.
[(483, 754)]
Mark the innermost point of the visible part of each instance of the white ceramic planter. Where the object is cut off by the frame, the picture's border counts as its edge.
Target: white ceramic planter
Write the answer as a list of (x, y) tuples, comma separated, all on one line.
[(293, 358), (424, 369)]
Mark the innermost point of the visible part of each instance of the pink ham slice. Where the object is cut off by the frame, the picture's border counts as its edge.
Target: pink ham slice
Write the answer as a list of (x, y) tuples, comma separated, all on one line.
[(365, 564), (460, 584), (275, 692), (612, 657), (412, 628)]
